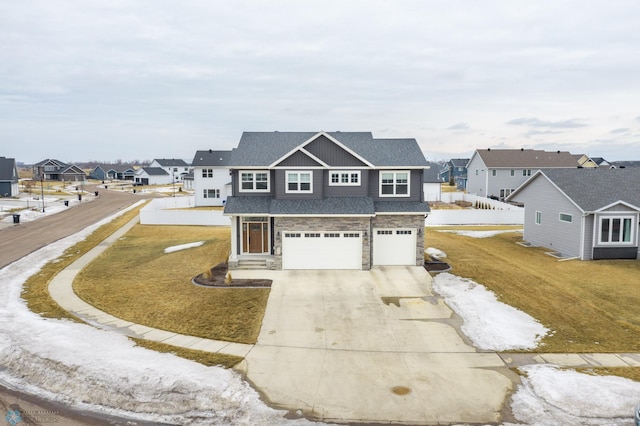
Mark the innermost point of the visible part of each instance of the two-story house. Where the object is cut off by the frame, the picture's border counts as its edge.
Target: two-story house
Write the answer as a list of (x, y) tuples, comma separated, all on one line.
[(326, 200), (176, 168), (455, 169), (498, 172), (51, 169), (211, 179)]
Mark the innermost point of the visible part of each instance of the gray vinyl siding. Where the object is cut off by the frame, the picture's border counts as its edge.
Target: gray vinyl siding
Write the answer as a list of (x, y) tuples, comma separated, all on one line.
[(541, 196), (476, 176), (415, 186), (6, 189), (332, 154), (346, 190), (504, 180), (298, 159), (280, 185), (587, 242)]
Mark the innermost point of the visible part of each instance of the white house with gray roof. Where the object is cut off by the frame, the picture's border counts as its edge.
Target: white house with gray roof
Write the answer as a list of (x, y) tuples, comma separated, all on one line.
[(583, 213), (326, 200), (211, 177), (175, 167), (498, 172)]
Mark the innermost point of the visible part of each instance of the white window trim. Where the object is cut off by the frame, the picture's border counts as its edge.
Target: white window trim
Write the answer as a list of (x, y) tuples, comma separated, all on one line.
[(538, 218), (565, 214), (254, 172), (632, 236), (216, 193), (395, 172), (340, 173), (298, 191)]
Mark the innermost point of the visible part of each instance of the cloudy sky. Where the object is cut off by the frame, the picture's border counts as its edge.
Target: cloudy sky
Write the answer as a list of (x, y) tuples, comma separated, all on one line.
[(124, 79)]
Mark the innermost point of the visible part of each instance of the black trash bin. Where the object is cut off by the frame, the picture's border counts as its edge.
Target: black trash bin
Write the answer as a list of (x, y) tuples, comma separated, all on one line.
[(16, 218), (96, 193), (66, 203), (79, 197)]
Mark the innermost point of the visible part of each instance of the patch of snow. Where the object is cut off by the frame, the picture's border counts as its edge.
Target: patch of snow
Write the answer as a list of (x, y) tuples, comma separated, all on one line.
[(476, 234), (183, 247), (93, 369), (549, 395), (490, 324), (435, 253)]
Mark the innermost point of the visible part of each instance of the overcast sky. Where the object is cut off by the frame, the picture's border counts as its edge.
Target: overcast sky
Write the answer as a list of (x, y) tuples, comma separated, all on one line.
[(123, 79)]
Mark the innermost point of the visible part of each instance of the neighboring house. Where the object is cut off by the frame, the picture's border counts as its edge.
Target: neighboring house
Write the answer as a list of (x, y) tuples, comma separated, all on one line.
[(212, 183), (152, 176), (326, 200), (51, 169), (625, 164), (113, 171), (584, 213), (8, 177), (188, 181), (456, 168), (174, 167), (101, 172), (498, 172), (431, 183), (601, 162)]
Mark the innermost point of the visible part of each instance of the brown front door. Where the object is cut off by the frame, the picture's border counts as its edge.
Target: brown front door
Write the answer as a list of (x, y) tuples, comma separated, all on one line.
[(255, 237)]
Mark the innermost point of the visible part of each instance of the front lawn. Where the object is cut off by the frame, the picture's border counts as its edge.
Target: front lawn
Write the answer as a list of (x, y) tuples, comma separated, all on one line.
[(591, 306), (135, 280)]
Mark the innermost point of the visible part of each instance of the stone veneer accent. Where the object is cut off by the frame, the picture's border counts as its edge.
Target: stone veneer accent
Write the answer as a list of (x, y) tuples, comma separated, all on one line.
[(344, 224), (404, 221)]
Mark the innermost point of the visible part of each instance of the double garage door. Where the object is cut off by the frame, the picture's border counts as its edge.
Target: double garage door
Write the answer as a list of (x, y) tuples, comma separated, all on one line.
[(322, 250), (343, 250)]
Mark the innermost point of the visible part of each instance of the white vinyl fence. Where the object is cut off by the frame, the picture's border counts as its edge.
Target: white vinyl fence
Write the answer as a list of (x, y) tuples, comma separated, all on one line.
[(484, 211), (166, 211)]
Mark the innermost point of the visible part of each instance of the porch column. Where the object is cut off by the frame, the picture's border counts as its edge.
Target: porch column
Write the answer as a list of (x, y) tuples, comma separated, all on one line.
[(234, 240)]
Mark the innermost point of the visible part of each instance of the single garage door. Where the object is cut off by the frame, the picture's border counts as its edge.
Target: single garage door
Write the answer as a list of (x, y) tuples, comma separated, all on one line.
[(394, 246), (321, 250)]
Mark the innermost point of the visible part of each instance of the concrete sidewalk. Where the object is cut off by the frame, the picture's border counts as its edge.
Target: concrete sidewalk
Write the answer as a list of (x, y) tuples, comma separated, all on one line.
[(61, 290)]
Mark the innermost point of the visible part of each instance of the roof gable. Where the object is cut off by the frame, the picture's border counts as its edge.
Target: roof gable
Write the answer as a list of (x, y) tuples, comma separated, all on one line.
[(334, 154), (8, 169), (171, 162), (300, 158), (593, 189)]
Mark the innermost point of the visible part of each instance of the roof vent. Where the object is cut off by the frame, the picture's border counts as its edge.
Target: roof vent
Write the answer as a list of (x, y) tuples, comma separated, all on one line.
[(210, 151), (488, 149), (521, 149), (558, 151)]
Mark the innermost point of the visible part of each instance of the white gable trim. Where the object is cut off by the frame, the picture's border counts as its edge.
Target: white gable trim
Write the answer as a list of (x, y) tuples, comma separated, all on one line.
[(624, 203), (314, 137), (534, 177), (322, 164)]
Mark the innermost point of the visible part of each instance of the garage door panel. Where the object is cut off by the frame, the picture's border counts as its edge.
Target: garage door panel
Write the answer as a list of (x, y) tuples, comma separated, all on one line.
[(321, 250), (394, 247)]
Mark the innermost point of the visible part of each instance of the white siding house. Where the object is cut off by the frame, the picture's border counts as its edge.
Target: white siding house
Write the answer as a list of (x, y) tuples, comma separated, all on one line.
[(211, 179)]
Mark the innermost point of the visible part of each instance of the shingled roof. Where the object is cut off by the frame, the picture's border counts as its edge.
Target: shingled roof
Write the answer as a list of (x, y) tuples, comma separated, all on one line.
[(527, 158), (8, 170), (211, 158), (261, 149), (593, 189)]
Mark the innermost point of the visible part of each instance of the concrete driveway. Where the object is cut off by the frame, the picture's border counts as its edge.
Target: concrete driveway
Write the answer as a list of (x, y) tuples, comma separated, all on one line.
[(371, 346)]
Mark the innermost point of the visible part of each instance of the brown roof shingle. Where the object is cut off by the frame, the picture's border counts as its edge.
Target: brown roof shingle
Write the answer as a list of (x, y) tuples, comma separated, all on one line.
[(528, 158)]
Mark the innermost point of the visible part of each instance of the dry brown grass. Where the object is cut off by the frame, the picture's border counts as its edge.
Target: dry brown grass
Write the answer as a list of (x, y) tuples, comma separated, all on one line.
[(206, 358), (135, 280), (35, 290), (632, 373), (592, 306)]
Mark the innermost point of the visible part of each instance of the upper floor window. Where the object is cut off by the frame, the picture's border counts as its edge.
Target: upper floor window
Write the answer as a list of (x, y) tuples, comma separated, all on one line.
[(254, 181), (207, 173), (538, 218), (616, 230), (526, 172), (394, 184), (494, 172), (299, 182), (566, 217), (513, 172), (345, 178)]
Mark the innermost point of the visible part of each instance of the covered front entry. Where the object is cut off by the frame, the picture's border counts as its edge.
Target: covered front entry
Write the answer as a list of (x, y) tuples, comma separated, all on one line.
[(255, 235), (321, 250), (394, 247)]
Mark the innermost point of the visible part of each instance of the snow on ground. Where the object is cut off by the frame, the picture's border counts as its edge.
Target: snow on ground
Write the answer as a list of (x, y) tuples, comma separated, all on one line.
[(548, 394), (476, 234), (552, 396), (98, 370), (490, 324), (435, 253), (183, 247), (31, 209)]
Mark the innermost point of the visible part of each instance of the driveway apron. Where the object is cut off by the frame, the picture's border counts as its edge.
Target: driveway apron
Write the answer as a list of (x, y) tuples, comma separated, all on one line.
[(370, 346)]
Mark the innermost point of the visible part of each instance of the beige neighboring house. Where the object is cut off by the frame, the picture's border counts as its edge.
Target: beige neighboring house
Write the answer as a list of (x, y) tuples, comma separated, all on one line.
[(498, 172)]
